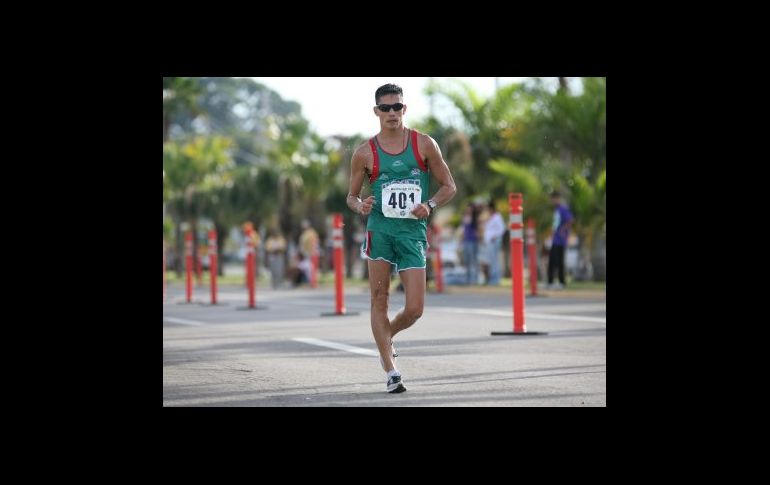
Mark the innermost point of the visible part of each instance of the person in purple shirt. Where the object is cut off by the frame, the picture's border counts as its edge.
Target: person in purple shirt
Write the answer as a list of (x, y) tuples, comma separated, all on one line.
[(562, 221)]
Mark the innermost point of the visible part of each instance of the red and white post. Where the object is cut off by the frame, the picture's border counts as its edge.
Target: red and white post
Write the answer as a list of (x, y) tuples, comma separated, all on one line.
[(251, 272), (339, 267), (339, 286), (247, 233), (188, 263), (251, 268), (516, 233), (213, 264), (532, 250), (517, 261)]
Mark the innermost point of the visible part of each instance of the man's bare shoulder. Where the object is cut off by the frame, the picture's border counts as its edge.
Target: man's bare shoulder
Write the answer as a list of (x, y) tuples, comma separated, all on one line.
[(363, 152), (425, 143)]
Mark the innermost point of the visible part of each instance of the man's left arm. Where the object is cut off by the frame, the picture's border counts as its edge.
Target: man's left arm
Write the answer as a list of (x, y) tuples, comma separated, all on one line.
[(431, 153)]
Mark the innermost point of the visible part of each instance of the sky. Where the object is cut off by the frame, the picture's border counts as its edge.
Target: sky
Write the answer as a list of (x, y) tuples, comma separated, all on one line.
[(343, 105)]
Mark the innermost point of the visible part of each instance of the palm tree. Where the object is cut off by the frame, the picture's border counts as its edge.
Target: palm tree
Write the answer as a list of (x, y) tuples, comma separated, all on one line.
[(491, 127), (576, 130)]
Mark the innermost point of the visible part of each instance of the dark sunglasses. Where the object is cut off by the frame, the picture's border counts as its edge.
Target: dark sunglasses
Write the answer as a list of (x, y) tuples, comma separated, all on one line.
[(386, 107)]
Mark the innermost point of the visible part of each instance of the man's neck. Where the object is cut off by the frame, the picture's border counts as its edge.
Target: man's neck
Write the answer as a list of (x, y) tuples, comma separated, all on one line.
[(392, 133)]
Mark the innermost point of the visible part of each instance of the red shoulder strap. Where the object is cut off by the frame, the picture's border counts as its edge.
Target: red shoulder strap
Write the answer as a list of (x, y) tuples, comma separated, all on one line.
[(416, 152), (375, 164)]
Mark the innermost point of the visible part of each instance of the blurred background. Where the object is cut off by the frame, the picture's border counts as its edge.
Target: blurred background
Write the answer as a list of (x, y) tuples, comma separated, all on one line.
[(274, 152)]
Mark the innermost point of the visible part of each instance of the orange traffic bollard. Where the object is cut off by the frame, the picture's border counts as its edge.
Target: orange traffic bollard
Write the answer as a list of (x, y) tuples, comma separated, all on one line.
[(339, 277), (213, 265), (188, 263), (251, 272), (516, 232)]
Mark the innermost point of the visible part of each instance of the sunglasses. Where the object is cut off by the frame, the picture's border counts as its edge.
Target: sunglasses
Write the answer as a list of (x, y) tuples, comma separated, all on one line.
[(386, 107)]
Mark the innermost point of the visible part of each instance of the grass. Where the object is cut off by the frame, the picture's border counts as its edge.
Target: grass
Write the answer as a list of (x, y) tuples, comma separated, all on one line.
[(324, 280)]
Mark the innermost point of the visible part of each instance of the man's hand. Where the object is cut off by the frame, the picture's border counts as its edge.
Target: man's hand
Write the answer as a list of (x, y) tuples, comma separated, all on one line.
[(421, 211), (366, 206)]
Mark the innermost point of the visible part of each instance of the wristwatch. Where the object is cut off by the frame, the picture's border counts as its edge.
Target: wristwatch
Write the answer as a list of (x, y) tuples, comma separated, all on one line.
[(432, 204)]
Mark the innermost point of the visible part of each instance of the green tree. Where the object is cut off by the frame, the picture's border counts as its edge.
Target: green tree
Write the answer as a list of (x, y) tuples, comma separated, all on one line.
[(192, 169), (250, 113), (574, 129), (279, 165), (589, 202), (180, 98), (532, 138), (489, 128)]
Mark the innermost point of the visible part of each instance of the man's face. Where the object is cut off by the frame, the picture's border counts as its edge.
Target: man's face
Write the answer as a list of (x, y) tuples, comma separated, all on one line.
[(390, 118), (555, 201)]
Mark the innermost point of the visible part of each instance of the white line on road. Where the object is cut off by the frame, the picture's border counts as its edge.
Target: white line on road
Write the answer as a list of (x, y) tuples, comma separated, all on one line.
[(335, 345), (502, 313), (544, 316), (183, 321)]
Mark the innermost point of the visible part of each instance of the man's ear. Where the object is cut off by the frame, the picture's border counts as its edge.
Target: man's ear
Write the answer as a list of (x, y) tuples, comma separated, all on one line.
[(374, 110)]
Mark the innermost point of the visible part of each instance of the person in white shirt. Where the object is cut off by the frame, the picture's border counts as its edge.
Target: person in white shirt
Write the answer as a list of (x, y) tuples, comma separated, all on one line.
[(493, 237)]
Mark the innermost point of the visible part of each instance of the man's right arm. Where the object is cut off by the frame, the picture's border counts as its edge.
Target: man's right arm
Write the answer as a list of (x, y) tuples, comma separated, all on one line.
[(357, 174)]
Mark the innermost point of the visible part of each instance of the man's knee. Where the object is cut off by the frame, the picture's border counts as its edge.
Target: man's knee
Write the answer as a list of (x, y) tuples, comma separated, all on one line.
[(380, 301), (413, 312)]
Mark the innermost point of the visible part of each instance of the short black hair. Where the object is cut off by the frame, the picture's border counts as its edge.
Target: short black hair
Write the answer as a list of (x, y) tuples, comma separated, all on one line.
[(387, 89), (555, 193)]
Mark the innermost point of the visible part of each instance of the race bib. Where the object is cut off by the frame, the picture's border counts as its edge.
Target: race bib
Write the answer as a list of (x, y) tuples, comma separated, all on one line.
[(399, 198)]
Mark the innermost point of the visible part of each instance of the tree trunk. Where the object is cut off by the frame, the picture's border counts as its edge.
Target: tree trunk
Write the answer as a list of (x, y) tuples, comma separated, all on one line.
[(563, 86)]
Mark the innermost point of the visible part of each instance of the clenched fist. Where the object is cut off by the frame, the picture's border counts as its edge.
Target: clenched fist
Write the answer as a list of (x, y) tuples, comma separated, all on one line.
[(366, 205), (421, 211)]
